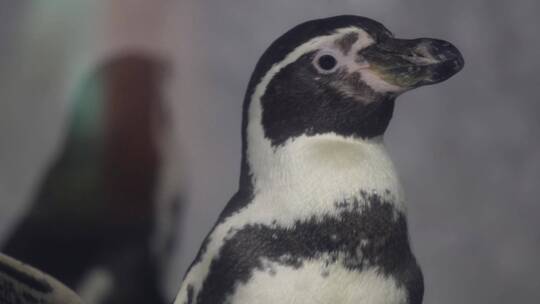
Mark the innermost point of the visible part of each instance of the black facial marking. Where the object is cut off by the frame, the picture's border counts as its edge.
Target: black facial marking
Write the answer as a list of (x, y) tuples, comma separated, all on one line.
[(346, 43), (361, 236), (300, 100)]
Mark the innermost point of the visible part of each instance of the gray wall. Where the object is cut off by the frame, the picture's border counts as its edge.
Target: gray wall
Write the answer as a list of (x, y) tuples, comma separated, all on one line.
[(467, 150)]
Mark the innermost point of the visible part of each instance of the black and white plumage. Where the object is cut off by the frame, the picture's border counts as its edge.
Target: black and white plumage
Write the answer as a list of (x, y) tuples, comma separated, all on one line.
[(21, 283), (319, 216)]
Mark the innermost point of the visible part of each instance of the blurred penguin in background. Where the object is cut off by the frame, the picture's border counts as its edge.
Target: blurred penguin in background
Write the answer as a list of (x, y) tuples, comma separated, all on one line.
[(97, 223)]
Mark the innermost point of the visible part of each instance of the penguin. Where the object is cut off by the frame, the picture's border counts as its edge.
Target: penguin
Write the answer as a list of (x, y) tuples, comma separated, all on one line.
[(319, 216), (93, 222), (21, 284)]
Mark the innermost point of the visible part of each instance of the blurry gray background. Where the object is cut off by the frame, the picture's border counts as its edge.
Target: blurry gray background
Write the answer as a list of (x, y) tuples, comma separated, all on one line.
[(467, 150)]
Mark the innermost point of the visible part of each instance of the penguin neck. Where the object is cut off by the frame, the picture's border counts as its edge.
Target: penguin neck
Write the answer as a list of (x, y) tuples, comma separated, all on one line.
[(327, 168), (315, 172), (321, 170)]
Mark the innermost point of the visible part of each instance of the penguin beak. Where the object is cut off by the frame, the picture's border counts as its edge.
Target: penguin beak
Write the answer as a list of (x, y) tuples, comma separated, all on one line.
[(412, 63)]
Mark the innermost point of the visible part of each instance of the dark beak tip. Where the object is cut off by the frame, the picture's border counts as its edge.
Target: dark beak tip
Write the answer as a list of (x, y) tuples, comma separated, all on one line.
[(451, 60), (442, 49), (445, 70)]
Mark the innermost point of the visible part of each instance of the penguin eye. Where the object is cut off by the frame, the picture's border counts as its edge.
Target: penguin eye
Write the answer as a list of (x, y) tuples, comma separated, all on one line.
[(326, 63)]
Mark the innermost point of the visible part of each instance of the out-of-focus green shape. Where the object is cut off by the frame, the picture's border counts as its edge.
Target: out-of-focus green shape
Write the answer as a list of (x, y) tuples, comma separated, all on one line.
[(95, 208)]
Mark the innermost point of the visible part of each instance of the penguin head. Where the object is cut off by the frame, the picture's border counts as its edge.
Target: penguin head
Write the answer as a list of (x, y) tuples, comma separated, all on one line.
[(340, 75)]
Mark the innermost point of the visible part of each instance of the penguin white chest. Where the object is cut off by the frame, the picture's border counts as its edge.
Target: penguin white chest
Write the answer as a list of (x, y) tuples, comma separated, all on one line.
[(317, 282)]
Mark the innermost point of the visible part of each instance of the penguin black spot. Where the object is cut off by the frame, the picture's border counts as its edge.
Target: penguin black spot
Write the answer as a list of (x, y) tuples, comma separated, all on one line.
[(190, 295), (346, 43), (313, 106)]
